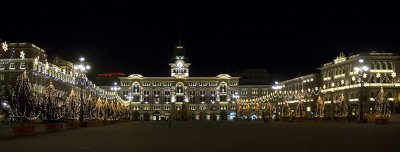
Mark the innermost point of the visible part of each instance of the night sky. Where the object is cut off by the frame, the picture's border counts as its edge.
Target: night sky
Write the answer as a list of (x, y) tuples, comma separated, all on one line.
[(120, 36)]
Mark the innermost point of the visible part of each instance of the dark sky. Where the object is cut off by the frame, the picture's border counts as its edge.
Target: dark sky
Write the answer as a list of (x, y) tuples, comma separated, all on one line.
[(130, 37)]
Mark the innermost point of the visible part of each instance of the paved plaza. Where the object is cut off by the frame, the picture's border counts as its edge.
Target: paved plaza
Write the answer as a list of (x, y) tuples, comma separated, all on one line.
[(214, 136)]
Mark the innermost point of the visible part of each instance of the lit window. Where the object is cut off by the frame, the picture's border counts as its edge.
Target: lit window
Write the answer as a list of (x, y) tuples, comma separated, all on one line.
[(12, 65), (22, 65)]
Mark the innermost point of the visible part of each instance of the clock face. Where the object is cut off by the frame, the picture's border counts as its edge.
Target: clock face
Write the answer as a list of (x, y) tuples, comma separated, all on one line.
[(179, 63)]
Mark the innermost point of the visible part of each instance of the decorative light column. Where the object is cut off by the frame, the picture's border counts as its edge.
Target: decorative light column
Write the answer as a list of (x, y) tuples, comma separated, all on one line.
[(361, 69), (276, 87), (82, 67)]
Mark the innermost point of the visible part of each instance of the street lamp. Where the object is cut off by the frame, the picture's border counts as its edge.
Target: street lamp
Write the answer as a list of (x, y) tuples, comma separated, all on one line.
[(276, 87), (82, 67), (361, 69), (115, 87)]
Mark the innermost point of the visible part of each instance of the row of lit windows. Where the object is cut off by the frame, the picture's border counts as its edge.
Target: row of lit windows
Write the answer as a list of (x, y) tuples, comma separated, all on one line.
[(178, 107), (253, 91), (11, 65), (375, 65), (355, 95), (170, 84)]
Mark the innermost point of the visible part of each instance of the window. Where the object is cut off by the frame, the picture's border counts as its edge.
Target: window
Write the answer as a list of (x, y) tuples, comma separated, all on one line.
[(136, 88), (180, 89), (389, 65), (12, 65), (2, 65), (1, 77), (22, 65), (222, 88)]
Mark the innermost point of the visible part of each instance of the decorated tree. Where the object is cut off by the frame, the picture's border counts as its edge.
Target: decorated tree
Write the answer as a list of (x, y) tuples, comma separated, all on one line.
[(341, 108), (300, 109), (107, 109), (52, 104), (268, 110), (88, 108), (382, 105), (286, 109), (23, 103), (320, 107), (71, 111), (98, 110)]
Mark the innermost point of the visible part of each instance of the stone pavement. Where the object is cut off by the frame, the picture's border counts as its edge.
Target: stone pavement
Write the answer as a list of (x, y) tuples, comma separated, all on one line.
[(220, 136)]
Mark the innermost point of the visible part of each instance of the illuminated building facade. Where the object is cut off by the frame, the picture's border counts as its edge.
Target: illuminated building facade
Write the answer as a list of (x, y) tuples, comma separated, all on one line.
[(340, 77), (180, 96)]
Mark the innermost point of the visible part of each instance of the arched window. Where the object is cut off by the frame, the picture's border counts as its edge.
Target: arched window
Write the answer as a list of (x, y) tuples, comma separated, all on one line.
[(390, 66), (179, 88), (136, 88), (384, 65), (222, 88), (373, 65), (379, 66)]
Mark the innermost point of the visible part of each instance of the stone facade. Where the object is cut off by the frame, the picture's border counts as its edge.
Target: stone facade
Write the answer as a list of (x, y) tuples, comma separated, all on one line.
[(339, 77)]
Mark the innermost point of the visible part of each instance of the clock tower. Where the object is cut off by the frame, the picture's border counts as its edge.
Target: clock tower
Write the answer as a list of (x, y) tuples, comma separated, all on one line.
[(179, 67)]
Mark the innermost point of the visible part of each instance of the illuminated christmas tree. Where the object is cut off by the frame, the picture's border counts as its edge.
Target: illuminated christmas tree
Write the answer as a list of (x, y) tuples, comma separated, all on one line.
[(23, 104), (300, 109), (382, 105), (320, 107), (52, 104), (88, 108), (269, 110), (341, 107), (71, 111)]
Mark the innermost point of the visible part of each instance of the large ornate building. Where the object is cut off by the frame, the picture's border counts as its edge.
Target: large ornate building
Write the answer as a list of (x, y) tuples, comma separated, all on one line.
[(180, 96), (359, 78)]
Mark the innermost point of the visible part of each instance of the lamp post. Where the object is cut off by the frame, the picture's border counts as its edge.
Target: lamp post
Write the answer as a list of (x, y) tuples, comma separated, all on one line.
[(361, 69), (394, 92), (82, 67), (236, 97), (276, 87), (115, 87)]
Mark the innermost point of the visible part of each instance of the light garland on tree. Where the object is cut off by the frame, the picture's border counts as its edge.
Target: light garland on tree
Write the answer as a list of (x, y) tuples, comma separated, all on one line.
[(72, 106), (382, 105), (53, 108), (23, 103), (341, 108), (320, 107)]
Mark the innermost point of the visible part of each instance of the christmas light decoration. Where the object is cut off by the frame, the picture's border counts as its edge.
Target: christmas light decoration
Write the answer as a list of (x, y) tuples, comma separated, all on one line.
[(22, 55), (4, 46), (52, 105), (72, 106), (24, 105), (320, 107), (341, 108), (382, 105)]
